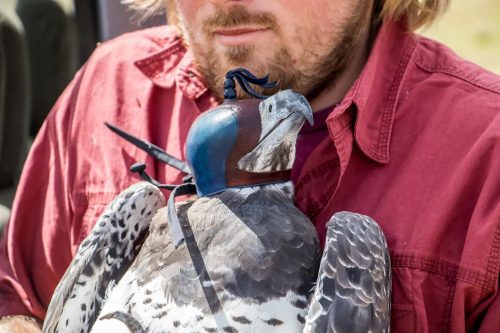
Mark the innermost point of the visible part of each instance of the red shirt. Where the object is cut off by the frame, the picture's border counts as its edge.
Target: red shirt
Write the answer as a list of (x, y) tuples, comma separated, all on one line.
[(415, 144), (308, 139)]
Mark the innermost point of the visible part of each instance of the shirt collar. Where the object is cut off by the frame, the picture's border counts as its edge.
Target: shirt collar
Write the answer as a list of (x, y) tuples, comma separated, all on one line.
[(374, 95), (160, 66), (173, 64)]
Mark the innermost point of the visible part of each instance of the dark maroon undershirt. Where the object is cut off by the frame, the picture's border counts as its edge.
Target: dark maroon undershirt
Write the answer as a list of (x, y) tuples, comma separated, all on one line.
[(309, 137)]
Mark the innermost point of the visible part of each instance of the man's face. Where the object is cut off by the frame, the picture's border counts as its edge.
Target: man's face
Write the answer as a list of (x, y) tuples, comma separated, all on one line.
[(303, 44)]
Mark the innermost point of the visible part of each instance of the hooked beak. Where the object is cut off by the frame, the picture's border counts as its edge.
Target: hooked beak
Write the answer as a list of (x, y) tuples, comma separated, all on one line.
[(282, 117), (299, 108), (299, 104), (306, 110)]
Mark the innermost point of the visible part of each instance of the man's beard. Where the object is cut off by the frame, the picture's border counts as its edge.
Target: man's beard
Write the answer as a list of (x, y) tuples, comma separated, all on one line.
[(310, 81)]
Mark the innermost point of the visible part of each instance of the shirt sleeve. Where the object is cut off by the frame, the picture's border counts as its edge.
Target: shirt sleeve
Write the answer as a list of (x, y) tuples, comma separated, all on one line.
[(36, 245)]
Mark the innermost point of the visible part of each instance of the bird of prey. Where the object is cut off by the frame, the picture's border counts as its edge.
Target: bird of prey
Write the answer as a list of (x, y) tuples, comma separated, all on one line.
[(238, 257), (249, 258)]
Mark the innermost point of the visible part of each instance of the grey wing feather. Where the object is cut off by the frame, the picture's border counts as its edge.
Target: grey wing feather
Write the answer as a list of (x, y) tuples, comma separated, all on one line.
[(353, 290), (275, 247), (159, 257), (102, 259)]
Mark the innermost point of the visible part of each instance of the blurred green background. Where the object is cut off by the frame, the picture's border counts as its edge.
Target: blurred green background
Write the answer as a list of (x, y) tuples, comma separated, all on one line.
[(472, 29)]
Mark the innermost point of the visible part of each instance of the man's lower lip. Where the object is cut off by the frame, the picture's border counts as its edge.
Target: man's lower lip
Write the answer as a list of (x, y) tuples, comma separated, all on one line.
[(235, 38)]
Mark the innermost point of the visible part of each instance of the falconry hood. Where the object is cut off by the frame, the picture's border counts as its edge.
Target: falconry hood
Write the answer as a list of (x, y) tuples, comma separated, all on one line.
[(246, 142)]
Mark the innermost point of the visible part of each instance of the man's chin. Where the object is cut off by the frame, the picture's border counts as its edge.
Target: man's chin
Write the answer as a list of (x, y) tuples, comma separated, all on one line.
[(221, 63), (215, 63), (235, 56)]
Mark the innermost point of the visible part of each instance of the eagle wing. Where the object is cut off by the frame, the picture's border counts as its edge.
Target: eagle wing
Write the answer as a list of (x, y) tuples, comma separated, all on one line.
[(275, 247), (102, 259), (260, 236), (353, 290), (239, 253)]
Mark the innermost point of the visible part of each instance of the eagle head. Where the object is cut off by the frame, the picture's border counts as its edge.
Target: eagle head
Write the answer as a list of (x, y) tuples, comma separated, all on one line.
[(246, 142)]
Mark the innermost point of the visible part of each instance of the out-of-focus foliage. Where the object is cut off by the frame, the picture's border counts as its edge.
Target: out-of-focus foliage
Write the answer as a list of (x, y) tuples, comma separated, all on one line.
[(472, 29)]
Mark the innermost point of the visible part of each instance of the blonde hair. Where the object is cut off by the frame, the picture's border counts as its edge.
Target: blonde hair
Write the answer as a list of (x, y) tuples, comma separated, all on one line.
[(146, 8), (416, 13)]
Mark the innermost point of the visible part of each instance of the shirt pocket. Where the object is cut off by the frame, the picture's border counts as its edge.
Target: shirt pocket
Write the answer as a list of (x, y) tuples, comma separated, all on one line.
[(403, 318), (422, 298), (87, 212), (402, 307)]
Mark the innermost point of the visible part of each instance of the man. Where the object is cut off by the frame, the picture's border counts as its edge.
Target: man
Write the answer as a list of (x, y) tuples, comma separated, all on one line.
[(411, 138)]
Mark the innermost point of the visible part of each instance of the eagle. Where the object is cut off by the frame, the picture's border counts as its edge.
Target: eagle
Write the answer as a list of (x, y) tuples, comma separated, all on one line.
[(236, 257)]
